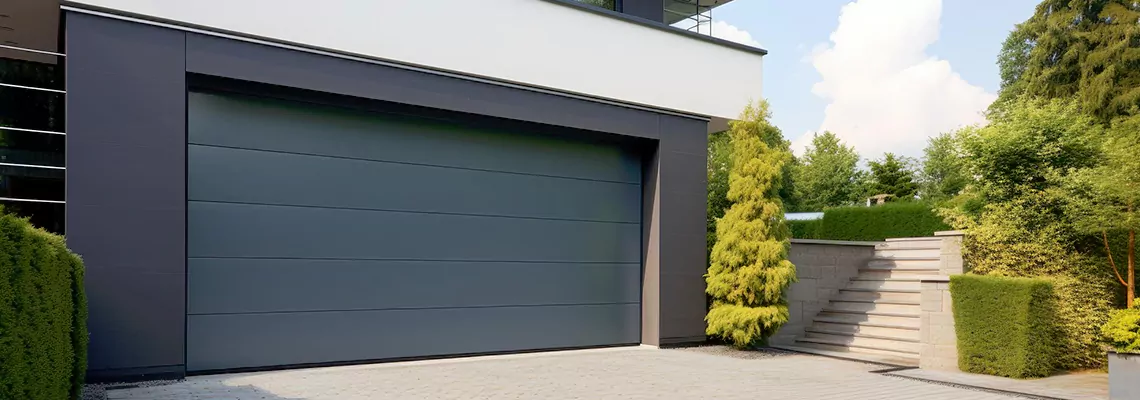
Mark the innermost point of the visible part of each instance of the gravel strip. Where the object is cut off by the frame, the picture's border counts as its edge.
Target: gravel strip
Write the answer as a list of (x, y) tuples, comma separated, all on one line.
[(728, 351), (98, 391)]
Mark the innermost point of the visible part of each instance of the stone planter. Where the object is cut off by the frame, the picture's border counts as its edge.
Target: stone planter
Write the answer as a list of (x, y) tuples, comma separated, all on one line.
[(1123, 376)]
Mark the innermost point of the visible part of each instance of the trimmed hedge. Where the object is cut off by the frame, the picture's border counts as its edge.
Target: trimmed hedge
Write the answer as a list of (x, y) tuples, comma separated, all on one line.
[(43, 315), (891, 220), (1123, 330), (1005, 326)]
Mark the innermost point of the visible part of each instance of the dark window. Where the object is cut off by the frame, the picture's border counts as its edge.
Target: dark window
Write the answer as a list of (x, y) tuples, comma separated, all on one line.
[(32, 137), (606, 4)]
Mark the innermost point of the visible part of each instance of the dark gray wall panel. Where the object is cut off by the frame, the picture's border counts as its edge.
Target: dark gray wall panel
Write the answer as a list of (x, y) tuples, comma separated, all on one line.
[(277, 66), (248, 340), (289, 127), (652, 10), (259, 177), (126, 197), (276, 285), (253, 231)]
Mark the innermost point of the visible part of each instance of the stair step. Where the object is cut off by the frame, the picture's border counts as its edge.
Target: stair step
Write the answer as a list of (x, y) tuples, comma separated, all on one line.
[(899, 314), (861, 343), (887, 278), (872, 296), (889, 290), (882, 321), (909, 245), (887, 358), (915, 239), (912, 284), (916, 301), (873, 308), (907, 263), (916, 252), (886, 274), (921, 270), (908, 333), (858, 334)]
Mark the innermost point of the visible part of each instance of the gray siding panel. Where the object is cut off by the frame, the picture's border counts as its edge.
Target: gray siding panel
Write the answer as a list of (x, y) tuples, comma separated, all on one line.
[(297, 128), (126, 197), (259, 177), (254, 340), (280, 285), (258, 231)]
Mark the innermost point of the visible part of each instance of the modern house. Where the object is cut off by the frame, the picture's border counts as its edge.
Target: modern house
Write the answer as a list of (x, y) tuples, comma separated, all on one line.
[(278, 183)]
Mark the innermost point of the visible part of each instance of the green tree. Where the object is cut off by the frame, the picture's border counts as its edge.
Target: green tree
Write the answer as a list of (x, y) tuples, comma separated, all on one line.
[(943, 173), (826, 175), (1088, 49), (1025, 227), (891, 175), (749, 268), (719, 162), (1106, 198)]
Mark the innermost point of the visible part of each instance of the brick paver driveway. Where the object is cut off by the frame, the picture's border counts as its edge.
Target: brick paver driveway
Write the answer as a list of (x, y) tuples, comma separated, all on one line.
[(618, 373)]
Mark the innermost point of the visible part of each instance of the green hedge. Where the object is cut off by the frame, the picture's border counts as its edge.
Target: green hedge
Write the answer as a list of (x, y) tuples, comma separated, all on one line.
[(43, 315), (891, 220), (1005, 326)]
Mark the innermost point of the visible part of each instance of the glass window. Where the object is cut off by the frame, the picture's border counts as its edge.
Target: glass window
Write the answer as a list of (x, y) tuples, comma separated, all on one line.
[(606, 4), (32, 137)]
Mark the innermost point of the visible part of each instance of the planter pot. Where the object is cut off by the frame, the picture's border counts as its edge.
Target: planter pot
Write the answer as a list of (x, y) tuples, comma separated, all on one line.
[(1123, 376)]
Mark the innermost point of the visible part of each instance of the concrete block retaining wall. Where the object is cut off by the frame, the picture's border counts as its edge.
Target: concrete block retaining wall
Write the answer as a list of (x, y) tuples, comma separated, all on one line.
[(823, 267)]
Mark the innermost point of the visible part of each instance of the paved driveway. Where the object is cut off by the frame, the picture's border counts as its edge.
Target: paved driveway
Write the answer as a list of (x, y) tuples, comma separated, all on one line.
[(619, 373)]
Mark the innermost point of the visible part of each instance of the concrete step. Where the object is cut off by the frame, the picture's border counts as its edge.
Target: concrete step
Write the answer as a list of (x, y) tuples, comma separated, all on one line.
[(915, 239), (911, 271), (905, 334), (874, 308), (915, 244), (906, 263), (885, 358), (861, 342), (882, 321), (871, 313), (909, 284), (885, 290), (880, 298), (917, 252), (889, 275)]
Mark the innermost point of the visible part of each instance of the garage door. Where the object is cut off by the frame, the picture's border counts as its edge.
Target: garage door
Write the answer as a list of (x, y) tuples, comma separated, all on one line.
[(321, 235)]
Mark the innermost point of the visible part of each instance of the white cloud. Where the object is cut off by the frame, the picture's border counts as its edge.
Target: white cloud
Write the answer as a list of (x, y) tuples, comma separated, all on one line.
[(884, 93), (720, 29), (726, 31)]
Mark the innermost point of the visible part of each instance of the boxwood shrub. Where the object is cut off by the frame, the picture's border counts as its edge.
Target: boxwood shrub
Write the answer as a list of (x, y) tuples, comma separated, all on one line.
[(43, 315), (1005, 326), (891, 220)]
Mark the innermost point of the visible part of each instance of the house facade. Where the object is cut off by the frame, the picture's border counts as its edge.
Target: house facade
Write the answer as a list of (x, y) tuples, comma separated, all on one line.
[(271, 184)]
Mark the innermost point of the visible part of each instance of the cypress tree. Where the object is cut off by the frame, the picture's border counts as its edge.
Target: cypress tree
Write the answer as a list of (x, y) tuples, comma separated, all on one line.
[(749, 269)]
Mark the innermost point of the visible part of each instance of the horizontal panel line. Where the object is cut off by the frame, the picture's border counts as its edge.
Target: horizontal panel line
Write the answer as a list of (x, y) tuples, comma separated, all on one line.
[(31, 166), (32, 88), (413, 260), (421, 308), (33, 200), (414, 212), (4, 46), (415, 164), (2, 127)]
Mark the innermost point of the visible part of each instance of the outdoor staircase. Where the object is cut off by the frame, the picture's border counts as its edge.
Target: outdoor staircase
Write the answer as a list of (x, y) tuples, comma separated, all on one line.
[(876, 316)]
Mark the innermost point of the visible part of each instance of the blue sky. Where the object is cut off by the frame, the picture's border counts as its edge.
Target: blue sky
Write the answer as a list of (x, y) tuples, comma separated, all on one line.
[(914, 92)]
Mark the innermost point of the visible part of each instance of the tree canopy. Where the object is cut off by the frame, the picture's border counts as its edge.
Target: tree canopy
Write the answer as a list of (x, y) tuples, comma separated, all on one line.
[(826, 175), (890, 175), (943, 173), (1087, 49)]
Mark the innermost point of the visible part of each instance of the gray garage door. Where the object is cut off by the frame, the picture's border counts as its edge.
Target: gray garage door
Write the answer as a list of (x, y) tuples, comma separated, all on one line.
[(323, 235)]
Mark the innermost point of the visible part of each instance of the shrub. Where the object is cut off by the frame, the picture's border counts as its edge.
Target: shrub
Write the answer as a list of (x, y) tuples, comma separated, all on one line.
[(43, 315), (749, 268), (805, 229), (891, 220), (1005, 326), (1123, 330)]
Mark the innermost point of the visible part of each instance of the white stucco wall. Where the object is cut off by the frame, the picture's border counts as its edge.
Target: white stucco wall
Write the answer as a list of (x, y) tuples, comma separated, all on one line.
[(527, 41)]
